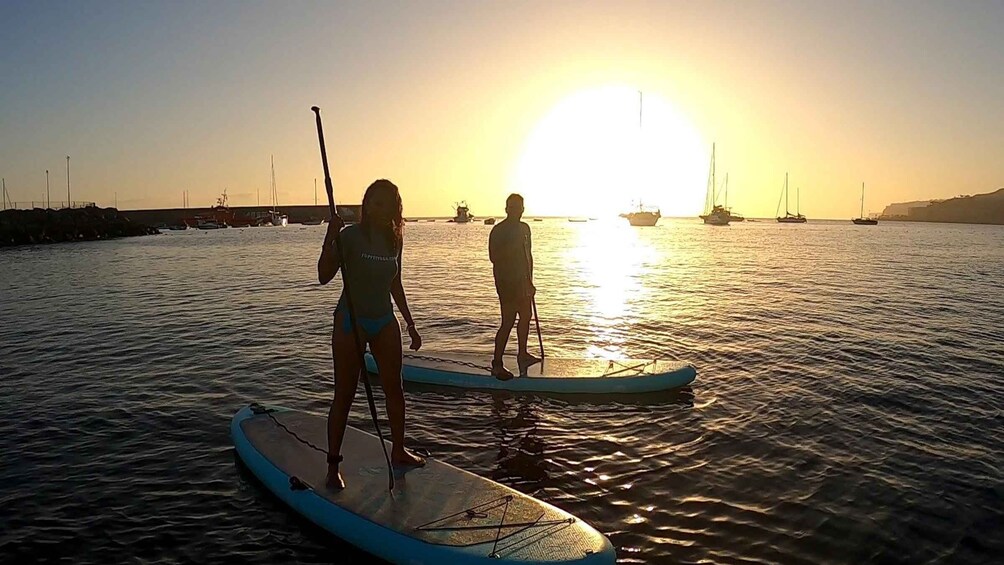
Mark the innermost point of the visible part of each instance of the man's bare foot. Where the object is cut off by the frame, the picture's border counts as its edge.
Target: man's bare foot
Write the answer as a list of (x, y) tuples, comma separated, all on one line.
[(500, 372), (525, 360), (334, 479), (405, 458)]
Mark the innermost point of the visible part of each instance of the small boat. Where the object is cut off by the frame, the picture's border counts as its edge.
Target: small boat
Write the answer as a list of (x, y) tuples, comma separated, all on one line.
[(463, 213), (489, 221), (861, 220), (314, 222), (577, 220), (643, 216), (789, 218)]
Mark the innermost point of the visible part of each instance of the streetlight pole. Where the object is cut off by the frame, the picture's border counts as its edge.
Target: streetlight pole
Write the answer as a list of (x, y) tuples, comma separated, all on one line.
[(47, 201)]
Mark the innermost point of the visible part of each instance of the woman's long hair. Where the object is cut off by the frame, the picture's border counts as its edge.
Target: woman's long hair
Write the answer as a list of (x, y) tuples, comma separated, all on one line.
[(394, 232)]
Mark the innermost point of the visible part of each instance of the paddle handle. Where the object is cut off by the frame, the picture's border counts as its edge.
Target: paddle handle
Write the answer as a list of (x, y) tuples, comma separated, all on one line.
[(324, 161)]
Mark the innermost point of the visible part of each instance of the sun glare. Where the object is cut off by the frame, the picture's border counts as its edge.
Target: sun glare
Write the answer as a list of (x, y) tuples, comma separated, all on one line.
[(606, 255), (590, 156)]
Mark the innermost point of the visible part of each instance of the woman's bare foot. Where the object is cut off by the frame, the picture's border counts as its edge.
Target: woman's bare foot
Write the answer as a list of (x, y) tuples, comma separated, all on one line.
[(405, 458), (334, 479)]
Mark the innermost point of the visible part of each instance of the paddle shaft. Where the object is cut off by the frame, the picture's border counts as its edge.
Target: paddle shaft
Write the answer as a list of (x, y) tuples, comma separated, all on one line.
[(533, 300), (348, 298), (536, 319)]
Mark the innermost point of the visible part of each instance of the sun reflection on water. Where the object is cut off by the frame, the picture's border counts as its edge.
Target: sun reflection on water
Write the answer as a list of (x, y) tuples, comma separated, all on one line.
[(608, 257)]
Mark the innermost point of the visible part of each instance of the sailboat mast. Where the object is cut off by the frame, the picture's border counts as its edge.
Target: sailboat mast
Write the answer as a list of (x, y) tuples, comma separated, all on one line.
[(862, 214), (714, 185), (641, 105), (640, 102), (726, 190), (786, 194), (798, 201)]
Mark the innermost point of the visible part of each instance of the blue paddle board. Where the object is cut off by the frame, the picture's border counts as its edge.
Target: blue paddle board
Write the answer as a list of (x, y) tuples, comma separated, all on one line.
[(571, 376), (436, 514)]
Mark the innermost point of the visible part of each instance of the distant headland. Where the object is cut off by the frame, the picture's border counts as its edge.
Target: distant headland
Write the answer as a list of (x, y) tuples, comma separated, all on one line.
[(976, 209)]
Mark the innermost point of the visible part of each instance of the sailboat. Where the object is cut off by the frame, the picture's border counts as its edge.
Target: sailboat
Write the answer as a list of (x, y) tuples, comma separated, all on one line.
[(789, 218), (714, 214), (861, 220), (643, 216), (274, 216)]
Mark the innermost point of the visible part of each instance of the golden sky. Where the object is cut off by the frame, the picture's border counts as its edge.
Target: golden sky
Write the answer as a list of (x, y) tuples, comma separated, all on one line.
[(473, 100)]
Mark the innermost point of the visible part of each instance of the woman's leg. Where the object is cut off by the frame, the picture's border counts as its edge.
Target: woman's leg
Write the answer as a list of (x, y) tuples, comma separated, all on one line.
[(386, 349), (346, 361)]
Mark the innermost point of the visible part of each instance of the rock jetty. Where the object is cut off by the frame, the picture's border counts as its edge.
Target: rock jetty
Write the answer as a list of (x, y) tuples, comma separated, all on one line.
[(25, 227)]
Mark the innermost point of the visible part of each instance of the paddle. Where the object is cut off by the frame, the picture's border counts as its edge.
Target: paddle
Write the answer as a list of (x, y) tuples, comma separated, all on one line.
[(540, 340), (533, 301), (348, 298)]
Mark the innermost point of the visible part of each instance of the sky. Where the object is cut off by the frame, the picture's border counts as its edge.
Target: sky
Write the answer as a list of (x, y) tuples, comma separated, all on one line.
[(474, 100)]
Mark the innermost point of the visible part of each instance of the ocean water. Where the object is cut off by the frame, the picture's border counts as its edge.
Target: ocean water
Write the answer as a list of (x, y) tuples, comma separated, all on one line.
[(849, 403)]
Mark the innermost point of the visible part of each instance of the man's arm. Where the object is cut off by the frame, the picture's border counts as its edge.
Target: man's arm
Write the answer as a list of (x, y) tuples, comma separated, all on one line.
[(493, 253), (529, 252)]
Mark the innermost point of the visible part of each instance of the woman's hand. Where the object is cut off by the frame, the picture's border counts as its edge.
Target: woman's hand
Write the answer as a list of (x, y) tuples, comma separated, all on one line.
[(416, 339), (327, 263), (334, 226)]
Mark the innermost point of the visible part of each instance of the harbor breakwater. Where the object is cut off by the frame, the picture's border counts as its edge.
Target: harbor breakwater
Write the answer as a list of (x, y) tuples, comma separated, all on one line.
[(39, 225), (243, 214)]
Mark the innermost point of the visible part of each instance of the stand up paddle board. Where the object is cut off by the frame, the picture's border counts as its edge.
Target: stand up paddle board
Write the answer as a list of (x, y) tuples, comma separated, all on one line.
[(436, 514), (573, 376)]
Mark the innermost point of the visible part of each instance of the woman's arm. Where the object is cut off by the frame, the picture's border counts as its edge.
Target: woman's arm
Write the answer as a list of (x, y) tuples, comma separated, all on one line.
[(327, 263), (397, 292)]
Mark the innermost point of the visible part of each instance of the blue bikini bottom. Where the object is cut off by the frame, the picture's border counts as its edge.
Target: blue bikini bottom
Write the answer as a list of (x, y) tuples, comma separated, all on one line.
[(370, 326)]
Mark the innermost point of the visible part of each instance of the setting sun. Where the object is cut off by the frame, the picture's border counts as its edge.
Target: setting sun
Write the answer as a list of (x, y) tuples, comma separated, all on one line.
[(590, 156)]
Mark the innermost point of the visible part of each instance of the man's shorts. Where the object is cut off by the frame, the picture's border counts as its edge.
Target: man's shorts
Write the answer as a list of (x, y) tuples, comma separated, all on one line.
[(512, 297)]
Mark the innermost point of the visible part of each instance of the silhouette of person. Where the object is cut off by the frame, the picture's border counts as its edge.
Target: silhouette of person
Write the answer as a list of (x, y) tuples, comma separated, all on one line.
[(510, 250), (371, 253)]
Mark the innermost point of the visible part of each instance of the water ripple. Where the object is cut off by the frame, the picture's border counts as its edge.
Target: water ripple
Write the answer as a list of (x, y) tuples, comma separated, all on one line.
[(849, 385)]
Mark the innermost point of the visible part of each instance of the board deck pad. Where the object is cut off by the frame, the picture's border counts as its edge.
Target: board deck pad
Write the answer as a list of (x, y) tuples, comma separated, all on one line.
[(552, 375), (549, 368), (438, 504)]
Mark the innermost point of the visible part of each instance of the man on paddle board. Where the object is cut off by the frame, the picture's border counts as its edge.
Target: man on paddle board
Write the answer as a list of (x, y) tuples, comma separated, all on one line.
[(509, 249), (371, 253)]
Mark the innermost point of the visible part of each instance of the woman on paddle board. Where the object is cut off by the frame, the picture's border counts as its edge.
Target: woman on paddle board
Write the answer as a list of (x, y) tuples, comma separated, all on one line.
[(371, 251)]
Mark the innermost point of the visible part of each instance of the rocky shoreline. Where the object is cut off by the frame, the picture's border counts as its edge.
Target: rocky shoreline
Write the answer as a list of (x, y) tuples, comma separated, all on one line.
[(26, 227), (975, 209)]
